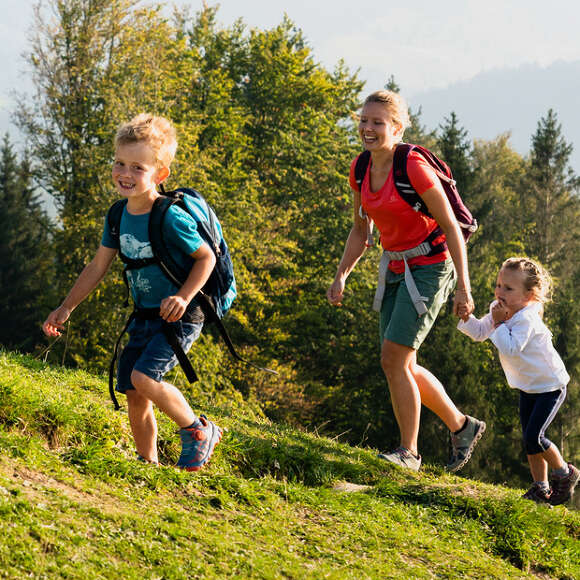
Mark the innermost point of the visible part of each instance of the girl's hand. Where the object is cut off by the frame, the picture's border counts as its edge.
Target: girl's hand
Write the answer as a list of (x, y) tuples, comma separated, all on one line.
[(55, 322), (463, 304), (336, 292), (172, 308), (498, 313)]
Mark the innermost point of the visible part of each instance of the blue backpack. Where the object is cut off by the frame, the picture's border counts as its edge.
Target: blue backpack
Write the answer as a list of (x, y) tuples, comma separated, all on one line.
[(220, 289)]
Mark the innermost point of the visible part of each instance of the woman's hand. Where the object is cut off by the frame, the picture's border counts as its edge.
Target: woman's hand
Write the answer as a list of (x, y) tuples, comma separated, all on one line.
[(463, 304), (336, 292)]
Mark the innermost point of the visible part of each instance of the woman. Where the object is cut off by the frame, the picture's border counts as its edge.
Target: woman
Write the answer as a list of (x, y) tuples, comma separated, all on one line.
[(383, 121)]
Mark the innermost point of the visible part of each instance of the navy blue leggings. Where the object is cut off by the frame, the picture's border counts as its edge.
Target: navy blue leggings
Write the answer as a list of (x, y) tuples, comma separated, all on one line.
[(537, 411)]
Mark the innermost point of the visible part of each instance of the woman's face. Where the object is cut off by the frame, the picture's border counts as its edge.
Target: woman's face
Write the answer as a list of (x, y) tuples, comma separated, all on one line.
[(377, 129)]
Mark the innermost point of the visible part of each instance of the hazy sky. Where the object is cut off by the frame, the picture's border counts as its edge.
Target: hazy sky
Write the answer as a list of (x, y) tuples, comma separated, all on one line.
[(424, 44)]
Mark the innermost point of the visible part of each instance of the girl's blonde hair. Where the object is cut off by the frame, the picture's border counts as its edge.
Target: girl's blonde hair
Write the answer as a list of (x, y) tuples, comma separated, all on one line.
[(157, 132), (396, 105), (537, 279)]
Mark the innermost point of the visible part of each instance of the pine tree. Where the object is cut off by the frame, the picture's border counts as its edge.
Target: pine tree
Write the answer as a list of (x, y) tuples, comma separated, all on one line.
[(24, 254), (456, 150)]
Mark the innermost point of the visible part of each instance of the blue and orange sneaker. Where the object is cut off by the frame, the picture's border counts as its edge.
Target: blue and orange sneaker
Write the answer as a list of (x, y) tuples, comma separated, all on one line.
[(198, 444)]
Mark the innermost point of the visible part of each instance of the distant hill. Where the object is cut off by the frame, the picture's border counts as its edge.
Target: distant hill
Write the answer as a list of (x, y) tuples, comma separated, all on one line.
[(497, 101)]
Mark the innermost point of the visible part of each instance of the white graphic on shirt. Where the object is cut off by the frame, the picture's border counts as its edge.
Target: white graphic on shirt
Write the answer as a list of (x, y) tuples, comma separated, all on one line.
[(133, 248)]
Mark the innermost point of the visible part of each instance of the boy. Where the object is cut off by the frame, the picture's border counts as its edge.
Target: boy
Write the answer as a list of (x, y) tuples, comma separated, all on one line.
[(144, 150)]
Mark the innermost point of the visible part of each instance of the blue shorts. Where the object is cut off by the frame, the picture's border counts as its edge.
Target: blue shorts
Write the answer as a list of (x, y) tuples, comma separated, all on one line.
[(537, 411), (149, 352)]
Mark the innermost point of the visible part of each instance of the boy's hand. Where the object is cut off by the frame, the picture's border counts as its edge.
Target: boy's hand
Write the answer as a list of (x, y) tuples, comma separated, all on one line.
[(55, 321), (172, 308)]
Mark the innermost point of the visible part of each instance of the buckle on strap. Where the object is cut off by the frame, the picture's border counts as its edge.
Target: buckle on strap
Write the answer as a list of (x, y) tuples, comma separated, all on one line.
[(418, 300)]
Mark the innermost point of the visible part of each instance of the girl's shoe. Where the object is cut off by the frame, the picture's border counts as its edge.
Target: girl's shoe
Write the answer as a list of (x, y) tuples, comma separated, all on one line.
[(563, 487), (537, 494)]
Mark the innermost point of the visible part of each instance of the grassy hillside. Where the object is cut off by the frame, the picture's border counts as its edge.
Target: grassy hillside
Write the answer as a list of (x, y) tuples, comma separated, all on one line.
[(274, 503)]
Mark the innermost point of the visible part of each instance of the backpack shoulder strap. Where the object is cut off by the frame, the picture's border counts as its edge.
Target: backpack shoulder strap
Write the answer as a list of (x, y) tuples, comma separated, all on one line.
[(360, 168), (161, 252), (114, 218), (401, 177)]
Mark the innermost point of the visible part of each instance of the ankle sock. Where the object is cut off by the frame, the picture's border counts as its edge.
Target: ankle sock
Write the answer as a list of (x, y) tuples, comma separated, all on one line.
[(197, 423), (562, 471), (543, 485), (462, 427)]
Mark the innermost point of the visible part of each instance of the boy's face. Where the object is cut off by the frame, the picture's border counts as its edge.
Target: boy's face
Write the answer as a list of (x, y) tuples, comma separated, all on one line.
[(135, 170)]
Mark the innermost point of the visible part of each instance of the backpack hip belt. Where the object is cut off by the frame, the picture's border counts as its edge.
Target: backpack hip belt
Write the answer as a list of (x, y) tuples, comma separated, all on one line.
[(418, 300)]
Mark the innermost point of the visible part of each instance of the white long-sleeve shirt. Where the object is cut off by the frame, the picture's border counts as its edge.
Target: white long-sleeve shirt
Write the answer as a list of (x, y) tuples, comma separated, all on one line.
[(528, 357)]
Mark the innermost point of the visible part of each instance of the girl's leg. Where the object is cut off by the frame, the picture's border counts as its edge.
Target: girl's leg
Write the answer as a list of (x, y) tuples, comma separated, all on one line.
[(166, 396), (538, 467), (143, 425), (436, 399)]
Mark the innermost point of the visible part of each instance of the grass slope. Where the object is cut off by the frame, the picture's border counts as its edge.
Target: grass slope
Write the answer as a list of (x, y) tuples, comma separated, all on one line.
[(274, 503)]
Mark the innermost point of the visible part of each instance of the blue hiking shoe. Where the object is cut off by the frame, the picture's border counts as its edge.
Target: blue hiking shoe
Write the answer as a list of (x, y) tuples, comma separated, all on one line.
[(198, 444)]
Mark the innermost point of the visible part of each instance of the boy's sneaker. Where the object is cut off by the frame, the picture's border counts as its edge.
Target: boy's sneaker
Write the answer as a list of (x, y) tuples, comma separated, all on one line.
[(403, 458), (563, 487), (537, 494), (464, 442), (197, 444)]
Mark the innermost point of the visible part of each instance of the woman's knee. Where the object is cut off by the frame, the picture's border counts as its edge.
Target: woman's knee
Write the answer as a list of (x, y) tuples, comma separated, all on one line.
[(396, 359)]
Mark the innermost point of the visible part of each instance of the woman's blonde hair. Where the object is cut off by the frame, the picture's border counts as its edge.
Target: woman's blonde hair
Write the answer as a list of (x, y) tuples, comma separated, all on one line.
[(537, 279), (396, 105), (157, 132)]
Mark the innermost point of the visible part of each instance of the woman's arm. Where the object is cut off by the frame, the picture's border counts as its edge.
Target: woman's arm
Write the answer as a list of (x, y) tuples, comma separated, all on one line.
[(354, 248), (441, 210)]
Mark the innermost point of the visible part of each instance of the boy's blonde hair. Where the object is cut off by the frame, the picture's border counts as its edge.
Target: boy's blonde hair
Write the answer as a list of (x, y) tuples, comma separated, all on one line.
[(537, 279), (157, 132), (396, 105)]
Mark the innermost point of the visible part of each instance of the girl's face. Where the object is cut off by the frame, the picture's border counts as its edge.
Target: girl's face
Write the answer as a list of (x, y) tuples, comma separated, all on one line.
[(377, 129), (510, 291)]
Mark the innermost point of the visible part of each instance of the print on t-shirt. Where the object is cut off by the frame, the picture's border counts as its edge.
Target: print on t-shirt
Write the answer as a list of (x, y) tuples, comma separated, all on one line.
[(135, 249)]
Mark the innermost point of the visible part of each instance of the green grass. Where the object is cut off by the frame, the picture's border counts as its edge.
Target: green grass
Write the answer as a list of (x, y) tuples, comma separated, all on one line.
[(74, 503)]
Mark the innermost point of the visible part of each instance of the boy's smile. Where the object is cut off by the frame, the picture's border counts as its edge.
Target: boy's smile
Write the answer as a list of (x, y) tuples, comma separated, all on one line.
[(136, 172)]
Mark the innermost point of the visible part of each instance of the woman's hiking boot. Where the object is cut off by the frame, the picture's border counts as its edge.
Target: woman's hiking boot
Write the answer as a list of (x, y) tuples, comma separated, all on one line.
[(464, 442), (198, 444), (563, 487), (537, 494), (403, 458)]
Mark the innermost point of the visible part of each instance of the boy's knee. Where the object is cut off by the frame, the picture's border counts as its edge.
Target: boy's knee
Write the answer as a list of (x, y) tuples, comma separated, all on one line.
[(141, 381)]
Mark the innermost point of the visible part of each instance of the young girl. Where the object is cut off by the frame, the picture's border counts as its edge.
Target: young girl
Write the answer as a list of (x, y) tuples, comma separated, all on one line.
[(532, 365)]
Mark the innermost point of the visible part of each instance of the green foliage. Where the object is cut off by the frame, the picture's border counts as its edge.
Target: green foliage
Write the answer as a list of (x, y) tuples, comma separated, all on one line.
[(25, 254)]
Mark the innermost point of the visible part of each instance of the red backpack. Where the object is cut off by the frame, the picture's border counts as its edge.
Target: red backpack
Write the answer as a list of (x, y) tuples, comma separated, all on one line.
[(465, 219)]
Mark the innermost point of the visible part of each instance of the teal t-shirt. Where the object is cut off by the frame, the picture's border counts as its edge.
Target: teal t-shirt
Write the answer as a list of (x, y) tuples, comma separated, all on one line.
[(149, 286)]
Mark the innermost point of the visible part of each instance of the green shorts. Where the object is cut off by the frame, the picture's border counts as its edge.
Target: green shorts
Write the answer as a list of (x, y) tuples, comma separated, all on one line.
[(399, 321)]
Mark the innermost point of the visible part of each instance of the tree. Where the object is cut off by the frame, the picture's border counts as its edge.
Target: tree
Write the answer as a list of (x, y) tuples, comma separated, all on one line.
[(24, 254), (456, 151)]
